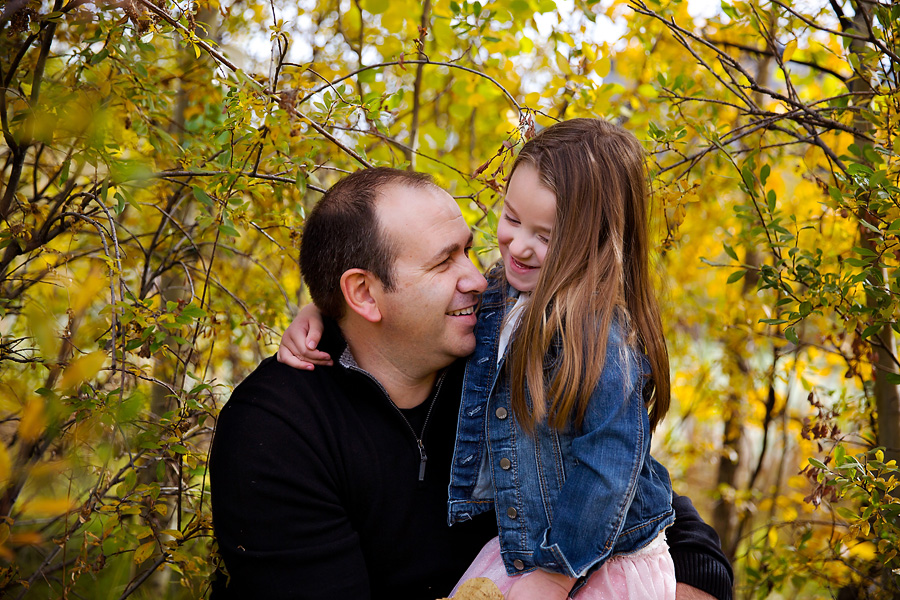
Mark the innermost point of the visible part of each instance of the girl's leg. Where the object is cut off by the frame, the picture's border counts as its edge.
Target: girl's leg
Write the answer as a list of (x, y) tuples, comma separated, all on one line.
[(648, 574), (488, 564)]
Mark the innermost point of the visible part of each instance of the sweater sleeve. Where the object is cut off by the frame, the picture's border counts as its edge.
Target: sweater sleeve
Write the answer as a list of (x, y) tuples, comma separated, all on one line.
[(281, 526), (697, 552)]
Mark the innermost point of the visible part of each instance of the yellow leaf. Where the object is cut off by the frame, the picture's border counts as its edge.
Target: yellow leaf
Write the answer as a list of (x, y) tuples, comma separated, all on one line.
[(144, 551), (789, 50), (563, 63), (174, 533), (602, 66), (31, 424), (376, 7), (48, 507), (647, 91), (864, 550), (196, 50), (88, 291), (532, 99), (589, 51), (5, 468), (81, 369), (475, 99), (773, 537), (42, 328)]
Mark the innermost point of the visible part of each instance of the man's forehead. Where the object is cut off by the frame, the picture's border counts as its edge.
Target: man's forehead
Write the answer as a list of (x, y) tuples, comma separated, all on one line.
[(421, 217), (404, 205), (396, 196)]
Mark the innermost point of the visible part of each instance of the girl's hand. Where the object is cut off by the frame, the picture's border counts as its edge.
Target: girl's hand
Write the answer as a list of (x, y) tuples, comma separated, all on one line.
[(298, 344), (541, 585)]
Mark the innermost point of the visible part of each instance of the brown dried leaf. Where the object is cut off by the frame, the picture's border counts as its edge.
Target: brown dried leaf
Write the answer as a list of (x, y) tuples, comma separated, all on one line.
[(479, 588)]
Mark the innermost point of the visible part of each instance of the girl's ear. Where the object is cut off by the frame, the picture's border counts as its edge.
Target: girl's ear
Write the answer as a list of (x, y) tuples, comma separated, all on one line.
[(356, 286)]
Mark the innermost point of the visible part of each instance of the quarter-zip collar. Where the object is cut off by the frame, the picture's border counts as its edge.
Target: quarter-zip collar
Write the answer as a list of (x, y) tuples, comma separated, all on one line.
[(348, 361)]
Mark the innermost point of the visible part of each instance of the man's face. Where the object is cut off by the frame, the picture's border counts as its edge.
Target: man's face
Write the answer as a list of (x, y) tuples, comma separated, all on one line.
[(429, 317)]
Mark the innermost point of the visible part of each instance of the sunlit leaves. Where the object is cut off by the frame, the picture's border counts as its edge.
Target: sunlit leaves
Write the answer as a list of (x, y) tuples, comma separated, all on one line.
[(797, 234)]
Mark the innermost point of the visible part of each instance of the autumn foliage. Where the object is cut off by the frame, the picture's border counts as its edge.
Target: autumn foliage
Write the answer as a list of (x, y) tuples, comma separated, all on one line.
[(159, 157)]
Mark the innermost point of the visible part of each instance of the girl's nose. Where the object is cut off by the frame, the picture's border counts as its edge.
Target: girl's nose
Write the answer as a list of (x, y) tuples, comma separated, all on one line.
[(520, 247)]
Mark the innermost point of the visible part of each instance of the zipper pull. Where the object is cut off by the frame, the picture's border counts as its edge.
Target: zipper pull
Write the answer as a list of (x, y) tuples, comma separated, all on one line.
[(422, 460)]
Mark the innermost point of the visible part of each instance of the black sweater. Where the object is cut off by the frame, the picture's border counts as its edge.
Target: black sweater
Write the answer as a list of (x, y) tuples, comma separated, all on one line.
[(316, 491)]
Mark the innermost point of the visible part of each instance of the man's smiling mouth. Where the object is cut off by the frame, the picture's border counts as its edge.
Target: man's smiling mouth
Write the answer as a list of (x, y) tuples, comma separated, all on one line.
[(462, 312)]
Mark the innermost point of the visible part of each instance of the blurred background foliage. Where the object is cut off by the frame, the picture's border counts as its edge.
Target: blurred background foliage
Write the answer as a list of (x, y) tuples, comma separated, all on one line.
[(158, 158)]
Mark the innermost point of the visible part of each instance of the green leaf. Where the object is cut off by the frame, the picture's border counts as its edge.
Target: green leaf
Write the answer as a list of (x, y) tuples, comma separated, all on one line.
[(869, 331), (749, 180), (202, 196), (64, 172), (846, 513), (99, 56), (791, 336), (835, 194), (193, 311), (730, 252), (817, 463), (736, 276), (229, 230), (839, 453)]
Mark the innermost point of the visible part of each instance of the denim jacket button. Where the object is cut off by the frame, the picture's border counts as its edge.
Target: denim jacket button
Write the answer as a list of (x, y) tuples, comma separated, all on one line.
[(518, 564), (505, 464), (501, 413), (512, 513)]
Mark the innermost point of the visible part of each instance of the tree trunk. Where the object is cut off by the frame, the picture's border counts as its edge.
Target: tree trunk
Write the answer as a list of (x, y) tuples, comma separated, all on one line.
[(887, 395)]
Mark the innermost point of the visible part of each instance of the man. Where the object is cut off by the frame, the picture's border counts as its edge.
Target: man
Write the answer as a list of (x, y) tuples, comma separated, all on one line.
[(333, 483)]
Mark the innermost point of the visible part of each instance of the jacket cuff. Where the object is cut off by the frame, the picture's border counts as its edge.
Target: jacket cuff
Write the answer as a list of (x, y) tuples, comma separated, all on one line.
[(704, 573)]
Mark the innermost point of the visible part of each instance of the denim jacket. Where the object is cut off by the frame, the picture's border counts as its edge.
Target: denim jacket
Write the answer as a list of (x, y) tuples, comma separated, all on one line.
[(568, 500)]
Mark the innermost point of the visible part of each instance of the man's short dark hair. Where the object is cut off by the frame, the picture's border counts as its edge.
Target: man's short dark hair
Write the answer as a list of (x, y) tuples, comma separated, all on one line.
[(343, 233)]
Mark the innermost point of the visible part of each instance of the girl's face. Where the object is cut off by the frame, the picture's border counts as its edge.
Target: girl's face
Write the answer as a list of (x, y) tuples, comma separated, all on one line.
[(526, 223)]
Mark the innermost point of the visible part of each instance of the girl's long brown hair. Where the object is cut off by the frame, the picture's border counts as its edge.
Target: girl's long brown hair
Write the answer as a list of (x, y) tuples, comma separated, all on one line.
[(597, 265)]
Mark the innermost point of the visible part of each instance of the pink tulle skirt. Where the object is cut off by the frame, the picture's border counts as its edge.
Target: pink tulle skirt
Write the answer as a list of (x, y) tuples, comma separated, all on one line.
[(648, 574)]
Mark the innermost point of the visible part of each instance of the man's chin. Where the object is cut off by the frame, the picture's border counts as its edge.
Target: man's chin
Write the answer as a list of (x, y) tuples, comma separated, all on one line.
[(465, 347)]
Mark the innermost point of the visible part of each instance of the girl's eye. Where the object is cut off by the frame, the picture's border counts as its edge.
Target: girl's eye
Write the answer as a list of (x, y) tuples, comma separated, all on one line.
[(543, 239), (511, 220)]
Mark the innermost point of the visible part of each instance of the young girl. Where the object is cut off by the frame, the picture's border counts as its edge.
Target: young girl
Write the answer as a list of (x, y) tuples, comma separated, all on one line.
[(569, 378)]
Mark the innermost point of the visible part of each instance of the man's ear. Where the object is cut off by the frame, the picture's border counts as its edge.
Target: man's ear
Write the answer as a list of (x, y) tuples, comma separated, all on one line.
[(356, 285)]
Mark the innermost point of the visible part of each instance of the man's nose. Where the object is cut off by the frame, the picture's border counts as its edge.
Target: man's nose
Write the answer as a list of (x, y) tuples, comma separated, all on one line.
[(471, 281)]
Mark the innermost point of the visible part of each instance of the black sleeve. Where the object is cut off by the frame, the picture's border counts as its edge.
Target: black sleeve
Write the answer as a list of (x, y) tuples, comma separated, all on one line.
[(697, 552), (281, 529)]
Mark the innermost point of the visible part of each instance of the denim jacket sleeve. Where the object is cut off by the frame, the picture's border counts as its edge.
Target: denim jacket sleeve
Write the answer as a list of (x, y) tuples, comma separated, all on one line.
[(607, 454)]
